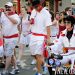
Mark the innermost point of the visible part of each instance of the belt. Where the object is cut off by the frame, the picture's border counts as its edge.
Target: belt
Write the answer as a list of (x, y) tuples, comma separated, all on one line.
[(36, 34), (11, 36)]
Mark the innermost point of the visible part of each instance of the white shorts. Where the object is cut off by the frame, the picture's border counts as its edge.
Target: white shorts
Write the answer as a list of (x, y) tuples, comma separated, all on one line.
[(24, 39), (68, 58), (1, 51), (9, 45), (36, 45)]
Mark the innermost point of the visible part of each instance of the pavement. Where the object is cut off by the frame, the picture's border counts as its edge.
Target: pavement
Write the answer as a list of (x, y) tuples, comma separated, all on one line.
[(28, 69)]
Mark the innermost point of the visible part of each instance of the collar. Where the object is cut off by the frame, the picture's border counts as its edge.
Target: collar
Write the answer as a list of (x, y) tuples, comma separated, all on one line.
[(11, 13), (63, 33)]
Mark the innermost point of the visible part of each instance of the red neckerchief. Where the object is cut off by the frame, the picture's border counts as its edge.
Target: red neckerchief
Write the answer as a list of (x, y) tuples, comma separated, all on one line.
[(39, 8), (11, 13)]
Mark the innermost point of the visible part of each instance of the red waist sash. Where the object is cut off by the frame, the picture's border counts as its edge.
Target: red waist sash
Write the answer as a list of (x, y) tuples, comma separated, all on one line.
[(11, 36), (36, 34)]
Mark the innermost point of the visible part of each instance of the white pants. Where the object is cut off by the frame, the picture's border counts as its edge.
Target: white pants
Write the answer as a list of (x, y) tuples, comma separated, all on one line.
[(36, 45), (68, 58), (9, 45)]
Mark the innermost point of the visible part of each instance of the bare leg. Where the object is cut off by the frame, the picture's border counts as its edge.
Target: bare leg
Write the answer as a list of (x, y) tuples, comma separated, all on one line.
[(14, 61), (21, 47), (39, 62), (8, 60)]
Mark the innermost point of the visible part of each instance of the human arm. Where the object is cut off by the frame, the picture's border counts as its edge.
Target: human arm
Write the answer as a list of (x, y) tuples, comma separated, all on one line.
[(13, 18)]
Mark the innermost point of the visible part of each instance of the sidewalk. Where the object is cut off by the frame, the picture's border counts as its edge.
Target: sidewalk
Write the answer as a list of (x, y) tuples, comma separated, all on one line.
[(27, 70)]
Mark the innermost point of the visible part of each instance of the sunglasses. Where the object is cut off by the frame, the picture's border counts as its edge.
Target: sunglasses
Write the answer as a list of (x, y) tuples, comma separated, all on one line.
[(7, 6), (67, 22)]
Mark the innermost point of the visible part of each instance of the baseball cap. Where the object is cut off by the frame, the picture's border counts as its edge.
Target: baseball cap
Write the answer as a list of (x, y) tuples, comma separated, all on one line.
[(9, 4)]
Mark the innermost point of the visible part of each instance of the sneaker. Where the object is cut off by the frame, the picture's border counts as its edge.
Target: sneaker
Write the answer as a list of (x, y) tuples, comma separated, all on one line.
[(14, 71), (45, 70), (33, 62), (18, 62), (37, 73), (4, 72)]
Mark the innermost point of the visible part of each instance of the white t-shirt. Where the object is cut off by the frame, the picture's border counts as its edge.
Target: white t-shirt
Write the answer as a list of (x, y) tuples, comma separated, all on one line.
[(8, 28), (42, 19)]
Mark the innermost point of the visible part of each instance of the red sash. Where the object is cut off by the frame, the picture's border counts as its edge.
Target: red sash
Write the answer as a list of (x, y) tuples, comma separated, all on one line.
[(1, 42), (12, 36), (36, 34), (45, 52)]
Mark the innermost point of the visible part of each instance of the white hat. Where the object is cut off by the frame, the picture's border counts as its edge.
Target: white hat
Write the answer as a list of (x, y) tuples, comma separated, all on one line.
[(9, 4)]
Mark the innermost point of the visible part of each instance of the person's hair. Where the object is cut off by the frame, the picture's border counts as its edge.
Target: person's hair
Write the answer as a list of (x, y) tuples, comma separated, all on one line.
[(70, 19), (35, 2), (67, 8), (62, 13), (61, 20)]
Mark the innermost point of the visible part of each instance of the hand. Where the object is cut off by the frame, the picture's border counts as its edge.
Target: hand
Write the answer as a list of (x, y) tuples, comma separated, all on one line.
[(25, 34), (48, 42), (6, 13)]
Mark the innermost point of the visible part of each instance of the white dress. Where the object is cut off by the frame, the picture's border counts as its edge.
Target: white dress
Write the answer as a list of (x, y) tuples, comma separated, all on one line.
[(25, 35)]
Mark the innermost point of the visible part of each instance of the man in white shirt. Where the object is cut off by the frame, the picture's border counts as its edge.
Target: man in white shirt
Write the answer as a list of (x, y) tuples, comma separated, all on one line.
[(40, 20), (9, 21)]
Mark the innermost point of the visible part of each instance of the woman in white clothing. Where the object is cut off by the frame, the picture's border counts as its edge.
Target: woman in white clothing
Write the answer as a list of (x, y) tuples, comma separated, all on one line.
[(24, 37)]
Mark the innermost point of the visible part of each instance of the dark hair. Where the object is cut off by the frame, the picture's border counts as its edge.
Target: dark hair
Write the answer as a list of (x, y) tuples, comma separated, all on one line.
[(35, 2), (71, 19), (67, 8)]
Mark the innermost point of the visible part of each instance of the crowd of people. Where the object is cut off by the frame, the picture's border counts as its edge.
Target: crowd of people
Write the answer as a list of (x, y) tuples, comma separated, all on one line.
[(35, 28)]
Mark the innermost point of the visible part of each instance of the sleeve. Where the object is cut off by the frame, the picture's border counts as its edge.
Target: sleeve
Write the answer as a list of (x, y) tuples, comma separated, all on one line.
[(57, 47), (33, 14), (48, 20), (32, 17)]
